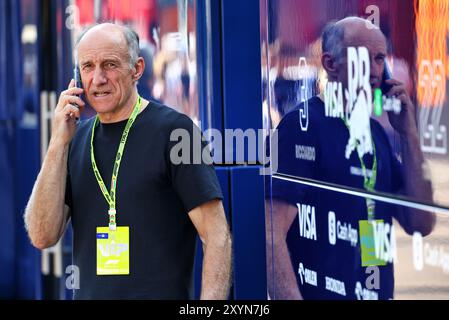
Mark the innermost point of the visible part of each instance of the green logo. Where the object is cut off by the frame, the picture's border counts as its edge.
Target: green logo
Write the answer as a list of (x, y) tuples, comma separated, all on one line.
[(378, 102)]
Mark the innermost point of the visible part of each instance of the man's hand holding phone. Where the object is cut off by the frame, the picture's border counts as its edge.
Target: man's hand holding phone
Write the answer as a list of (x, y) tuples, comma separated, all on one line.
[(68, 110), (404, 122)]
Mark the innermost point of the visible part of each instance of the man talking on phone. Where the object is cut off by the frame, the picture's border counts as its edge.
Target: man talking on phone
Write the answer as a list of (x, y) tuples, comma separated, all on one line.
[(334, 251), (135, 213)]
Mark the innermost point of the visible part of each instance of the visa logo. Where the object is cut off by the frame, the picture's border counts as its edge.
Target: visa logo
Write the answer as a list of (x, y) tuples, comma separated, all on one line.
[(307, 223), (102, 236), (384, 241)]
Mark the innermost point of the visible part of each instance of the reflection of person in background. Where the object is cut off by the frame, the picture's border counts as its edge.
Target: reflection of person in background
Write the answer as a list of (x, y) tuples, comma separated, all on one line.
[(147, 81), (154, 197), (319, 153), (173, 81)]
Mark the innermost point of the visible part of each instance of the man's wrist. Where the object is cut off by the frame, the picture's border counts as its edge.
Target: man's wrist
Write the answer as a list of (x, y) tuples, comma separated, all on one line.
[(57, 145), (409, 136)]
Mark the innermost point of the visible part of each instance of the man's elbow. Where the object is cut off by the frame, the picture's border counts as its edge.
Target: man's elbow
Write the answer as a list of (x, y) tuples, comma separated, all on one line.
[(40, 235), (43, 242), (39, 239), (423, 223), (426, 227)]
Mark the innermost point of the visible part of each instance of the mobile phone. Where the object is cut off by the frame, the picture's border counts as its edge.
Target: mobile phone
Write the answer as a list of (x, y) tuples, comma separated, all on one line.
[(78, 83), (386, 75), (77, 77)]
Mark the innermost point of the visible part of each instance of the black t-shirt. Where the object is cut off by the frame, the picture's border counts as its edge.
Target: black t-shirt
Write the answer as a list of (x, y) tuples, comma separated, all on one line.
[(153, 198), (319, 154)]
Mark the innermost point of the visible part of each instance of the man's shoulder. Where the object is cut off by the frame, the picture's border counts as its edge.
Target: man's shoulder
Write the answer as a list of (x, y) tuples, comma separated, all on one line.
[(84, 128), (166, 117)]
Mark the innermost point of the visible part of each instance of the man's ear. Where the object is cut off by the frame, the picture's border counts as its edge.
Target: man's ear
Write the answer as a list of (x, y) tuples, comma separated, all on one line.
[(139, 68), (329, 65)]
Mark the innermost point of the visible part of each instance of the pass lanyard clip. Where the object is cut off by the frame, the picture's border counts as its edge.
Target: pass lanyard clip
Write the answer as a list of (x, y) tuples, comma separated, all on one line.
[(110, 195)]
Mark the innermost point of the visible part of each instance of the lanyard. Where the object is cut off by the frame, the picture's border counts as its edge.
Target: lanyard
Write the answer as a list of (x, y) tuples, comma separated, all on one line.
[(368, 183), (110, 196)]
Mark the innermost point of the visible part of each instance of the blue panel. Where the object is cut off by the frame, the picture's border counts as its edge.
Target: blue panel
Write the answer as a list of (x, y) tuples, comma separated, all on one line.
[(209, 64), (248, 224), (10, 60), (10, 110), (27, 168), (241, 67), (7, 230), (223, 178)]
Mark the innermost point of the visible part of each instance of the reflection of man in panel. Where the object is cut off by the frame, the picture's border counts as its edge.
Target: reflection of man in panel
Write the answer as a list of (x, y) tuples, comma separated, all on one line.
[(318, 229)]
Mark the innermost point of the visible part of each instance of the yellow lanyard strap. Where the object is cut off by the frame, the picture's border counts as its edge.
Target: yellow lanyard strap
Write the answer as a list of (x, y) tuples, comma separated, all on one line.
[(110, 196)]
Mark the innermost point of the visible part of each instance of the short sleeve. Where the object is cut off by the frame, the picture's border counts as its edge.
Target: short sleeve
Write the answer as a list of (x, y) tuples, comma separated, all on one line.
[(397, 174), (397, 169), (68, 192), (68, 184), (190, 165)]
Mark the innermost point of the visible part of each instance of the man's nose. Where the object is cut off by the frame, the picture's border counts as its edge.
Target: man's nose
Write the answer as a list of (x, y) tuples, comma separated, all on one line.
[(99, 77)]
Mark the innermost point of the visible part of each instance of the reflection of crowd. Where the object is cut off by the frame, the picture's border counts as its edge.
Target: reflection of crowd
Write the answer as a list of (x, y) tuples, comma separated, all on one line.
[(288, 80), (172, 75)]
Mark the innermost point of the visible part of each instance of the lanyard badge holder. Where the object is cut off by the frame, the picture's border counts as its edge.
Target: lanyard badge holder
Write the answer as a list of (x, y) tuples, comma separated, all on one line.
[(112, 241), (366, 227)]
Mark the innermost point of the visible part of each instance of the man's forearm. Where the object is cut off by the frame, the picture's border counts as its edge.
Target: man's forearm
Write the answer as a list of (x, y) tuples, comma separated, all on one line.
[(44, 214), (217, 268), (282, 283), (417, 185)]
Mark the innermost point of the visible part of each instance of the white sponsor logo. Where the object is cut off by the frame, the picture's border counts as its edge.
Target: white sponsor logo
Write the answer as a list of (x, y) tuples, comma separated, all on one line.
[(307, 224), (347, 233), (341, 230), (364, 293), (391, 104), (356, 171), (432, 80), (436, 256), (335, 285), (304, 106), (358, 102), (332, 228), (384, 241), (418, 260), (305, 152), (425, 253), (359, 109), (307, 275), (333, 100)]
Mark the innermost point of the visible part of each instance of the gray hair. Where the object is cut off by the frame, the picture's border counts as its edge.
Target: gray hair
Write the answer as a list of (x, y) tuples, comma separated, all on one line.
[(333, 40), (132, 42), (333, 37)]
